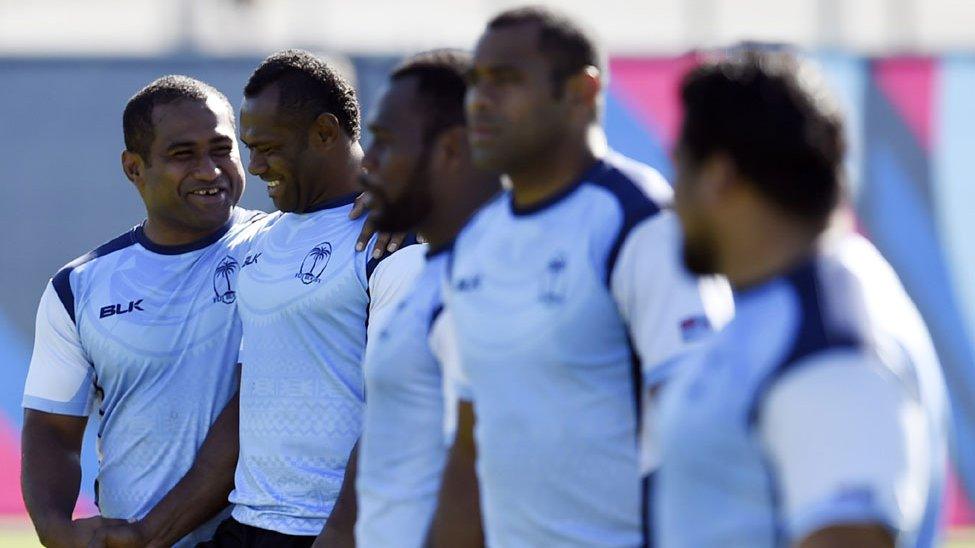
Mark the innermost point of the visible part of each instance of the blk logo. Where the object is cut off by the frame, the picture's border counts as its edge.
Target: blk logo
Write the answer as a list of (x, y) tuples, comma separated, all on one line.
[(223, 280), (553, 284), (469, 283), (314, 263), (116, 309), (250, 259)]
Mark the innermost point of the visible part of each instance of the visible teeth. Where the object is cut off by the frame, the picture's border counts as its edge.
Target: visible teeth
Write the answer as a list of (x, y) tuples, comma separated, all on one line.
[(272, 184), (206, 191)]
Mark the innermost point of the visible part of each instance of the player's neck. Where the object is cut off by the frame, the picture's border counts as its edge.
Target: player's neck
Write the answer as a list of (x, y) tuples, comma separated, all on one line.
[(765, 249), (453, 212), (561, 166), (165, 234), (342, 180)]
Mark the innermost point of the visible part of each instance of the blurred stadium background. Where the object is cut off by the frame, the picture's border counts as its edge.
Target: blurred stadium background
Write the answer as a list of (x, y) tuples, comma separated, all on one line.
[(904, 70)]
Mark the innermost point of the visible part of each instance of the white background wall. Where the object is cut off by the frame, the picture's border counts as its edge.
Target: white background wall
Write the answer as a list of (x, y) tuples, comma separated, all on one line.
[(234, 27)]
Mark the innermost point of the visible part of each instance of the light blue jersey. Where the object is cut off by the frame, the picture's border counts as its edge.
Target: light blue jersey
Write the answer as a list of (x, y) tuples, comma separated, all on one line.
[(305, 298), (403, 448), (554, 309), (820, 404), (148, 335)]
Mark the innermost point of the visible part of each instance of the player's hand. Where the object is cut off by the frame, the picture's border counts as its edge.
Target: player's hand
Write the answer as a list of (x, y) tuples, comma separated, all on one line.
[(120, 535), (81, 531), (385, 243)]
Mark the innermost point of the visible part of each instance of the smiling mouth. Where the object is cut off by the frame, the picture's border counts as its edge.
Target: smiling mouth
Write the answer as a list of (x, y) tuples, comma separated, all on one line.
[(273, 184), (213, 191)]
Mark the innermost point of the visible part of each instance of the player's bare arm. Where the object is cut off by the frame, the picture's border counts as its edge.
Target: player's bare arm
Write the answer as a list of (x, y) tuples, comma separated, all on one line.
[(51, 477), (849, 536), (458, 518), (339, 530)]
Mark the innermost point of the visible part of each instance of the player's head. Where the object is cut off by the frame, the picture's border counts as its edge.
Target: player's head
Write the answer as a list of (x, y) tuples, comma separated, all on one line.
[(760, 135), (299, 119), (535, 81), (418, 138), (181, 153)]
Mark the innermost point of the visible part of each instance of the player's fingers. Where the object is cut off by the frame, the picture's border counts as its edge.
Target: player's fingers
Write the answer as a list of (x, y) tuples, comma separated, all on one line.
[(364, 235), (99, 539), (395, 241), (359, 207), (382, 242)]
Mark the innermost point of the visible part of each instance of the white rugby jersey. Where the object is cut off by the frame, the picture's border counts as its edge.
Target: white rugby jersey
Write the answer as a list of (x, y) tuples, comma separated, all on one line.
[(304, 300), (148, 335), (403, 447), (820, 404), (555, 307)]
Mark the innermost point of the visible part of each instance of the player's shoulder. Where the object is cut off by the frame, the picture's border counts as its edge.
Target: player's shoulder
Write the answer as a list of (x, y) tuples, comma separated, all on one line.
[(637, 190), (119, 243)]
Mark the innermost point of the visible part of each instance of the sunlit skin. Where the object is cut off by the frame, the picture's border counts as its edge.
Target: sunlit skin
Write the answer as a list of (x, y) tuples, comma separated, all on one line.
[(304, 161), (192, 176), (521, 124), (397, 183)]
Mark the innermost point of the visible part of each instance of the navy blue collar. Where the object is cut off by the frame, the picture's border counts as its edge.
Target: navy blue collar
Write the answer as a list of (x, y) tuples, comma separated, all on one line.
[(140, 236), (560, 195), (333, 203), (439, 250)]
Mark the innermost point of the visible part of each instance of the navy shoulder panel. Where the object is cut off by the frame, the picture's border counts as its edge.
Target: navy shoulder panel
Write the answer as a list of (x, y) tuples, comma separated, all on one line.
[(373, 263), (815, 332), (61, 282), (633, 200)]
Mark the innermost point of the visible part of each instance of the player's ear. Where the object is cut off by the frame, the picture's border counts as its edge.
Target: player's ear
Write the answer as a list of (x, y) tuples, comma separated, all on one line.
[(133, 166), (585, 86), (718, 177), (451, 147), (326, 131)]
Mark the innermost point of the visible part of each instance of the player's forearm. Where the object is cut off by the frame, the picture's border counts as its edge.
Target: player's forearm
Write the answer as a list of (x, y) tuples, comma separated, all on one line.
[(202, 492), (457, 521), (339, 530), (50, 480)]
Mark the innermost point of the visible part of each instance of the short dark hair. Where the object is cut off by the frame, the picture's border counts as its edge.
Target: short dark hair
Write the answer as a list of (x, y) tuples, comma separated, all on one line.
[(568, 47), (779, 127), (310, 87), (441, 86), (137, 127)]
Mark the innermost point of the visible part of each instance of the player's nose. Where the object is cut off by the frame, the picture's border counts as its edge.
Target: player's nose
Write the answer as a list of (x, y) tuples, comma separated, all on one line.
[(256, 165), (206, 169)]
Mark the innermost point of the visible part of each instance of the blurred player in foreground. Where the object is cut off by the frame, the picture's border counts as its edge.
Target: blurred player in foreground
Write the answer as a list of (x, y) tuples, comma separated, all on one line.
[(559, 290), (419, 177), (144, 328), (817, 417)]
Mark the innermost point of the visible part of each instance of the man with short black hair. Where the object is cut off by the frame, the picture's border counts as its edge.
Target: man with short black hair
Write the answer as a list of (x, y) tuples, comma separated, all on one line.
[(144, 328), (560, 290), (419, 177), (305, 300), (817, 417)]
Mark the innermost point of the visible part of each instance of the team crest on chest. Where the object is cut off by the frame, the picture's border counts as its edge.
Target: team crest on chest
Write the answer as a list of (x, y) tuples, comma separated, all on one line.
[(314, 263), (553, 285), (224, 277)]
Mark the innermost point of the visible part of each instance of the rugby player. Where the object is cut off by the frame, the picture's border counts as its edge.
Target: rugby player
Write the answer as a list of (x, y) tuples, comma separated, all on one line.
[(419, 177), (143, 329), (559, 290), (817, 417), (304, 298)]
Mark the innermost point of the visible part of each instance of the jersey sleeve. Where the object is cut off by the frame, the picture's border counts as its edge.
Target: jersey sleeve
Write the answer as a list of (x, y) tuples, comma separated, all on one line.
[(666, 308), (390, 281), (848, 443), (456, 388), (60, 378)]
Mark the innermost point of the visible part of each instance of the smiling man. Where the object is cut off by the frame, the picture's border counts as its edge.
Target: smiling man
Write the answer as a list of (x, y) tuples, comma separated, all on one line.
[(144, 327)]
